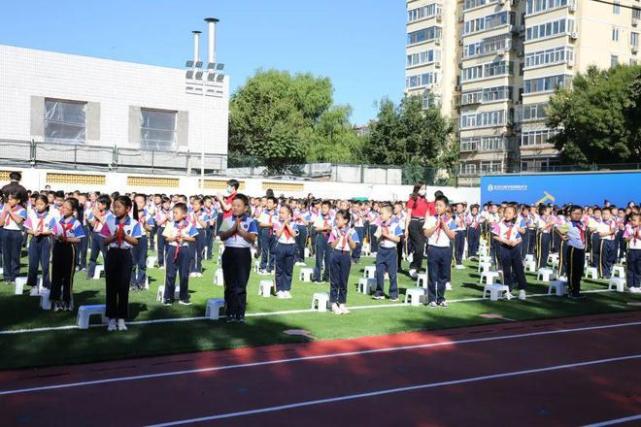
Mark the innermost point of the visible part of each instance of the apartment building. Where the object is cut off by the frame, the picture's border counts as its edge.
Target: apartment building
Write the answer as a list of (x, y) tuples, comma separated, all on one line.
[(512, 55)]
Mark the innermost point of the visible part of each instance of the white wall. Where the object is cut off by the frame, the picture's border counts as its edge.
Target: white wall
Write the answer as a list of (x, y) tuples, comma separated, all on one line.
[(36, 179), (115, 85)]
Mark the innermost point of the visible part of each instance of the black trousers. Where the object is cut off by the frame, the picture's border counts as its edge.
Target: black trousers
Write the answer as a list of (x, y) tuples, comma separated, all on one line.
[(285, 258), (473, 237), (118, 267), (512, 266), (576, 263), (544, 241), (459, 246), (236, 268), (178, 262), (417, 240), (341, 263), (63, 266), (11, 248), (439, 268), (39, 255)]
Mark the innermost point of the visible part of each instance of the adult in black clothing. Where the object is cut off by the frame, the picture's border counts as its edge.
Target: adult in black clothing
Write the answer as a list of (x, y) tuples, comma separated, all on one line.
[(14, 186)]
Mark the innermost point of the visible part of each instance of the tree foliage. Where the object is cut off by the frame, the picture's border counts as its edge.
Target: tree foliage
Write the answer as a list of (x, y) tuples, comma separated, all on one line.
[(598, 117)]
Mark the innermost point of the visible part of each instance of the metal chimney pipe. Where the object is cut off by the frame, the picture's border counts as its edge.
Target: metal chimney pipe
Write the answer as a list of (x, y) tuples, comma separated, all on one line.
[(211, 40), (196, 46)]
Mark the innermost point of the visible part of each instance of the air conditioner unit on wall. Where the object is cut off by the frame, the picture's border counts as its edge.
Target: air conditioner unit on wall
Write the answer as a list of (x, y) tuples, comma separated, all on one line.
[(574, 35)]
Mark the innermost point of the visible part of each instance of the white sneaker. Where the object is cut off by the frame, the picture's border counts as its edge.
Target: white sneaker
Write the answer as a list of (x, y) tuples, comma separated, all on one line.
[(413, 274), (121, 325), (280, 295), (432, 304), (112, 325), (288, 295), (508, 295), (522, 295), (635, 290), (193, 274), (448, 286), (343, 309), (336, 309), (460, 267)]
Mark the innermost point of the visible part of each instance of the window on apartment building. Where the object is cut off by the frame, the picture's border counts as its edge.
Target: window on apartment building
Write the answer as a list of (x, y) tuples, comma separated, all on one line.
[(616, 7), (615, 34), (157, 129), (636, 13), (469, 144), (468, 169), (65, 121), (536, 6), (614, 60), (423, 35), (494, 143), (549, 56), (491, 167), (537, 137), (549, 29), (634, 39), (423, 12), (546, 84)]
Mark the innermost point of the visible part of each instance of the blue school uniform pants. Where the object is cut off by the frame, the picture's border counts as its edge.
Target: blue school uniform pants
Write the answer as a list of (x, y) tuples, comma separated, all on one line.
[(438, 267), (285, 258), (236, 264), (323, 259), (177, 265), (139, 254), (97, 246), (633, 264), (386, 261), (340, 264), (512, 265), (11, 247), (118, 270), (267, 258), (39, 255)]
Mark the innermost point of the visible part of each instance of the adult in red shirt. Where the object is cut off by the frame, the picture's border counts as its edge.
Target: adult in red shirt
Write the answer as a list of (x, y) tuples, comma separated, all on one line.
[(229, 196), (417, 209)]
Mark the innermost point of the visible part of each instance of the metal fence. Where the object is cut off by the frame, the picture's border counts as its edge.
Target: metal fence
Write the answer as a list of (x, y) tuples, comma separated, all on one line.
[(106, 158)]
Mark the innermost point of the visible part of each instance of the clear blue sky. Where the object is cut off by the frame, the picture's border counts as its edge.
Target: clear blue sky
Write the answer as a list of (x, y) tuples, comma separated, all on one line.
[(359, 44)]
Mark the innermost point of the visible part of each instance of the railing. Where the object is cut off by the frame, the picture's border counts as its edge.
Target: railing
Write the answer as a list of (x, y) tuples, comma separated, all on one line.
[(112, 158)]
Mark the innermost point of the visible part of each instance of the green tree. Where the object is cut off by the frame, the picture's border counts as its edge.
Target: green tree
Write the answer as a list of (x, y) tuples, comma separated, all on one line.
[(333, 138), (273, 113), (594, 117), (409, 135)]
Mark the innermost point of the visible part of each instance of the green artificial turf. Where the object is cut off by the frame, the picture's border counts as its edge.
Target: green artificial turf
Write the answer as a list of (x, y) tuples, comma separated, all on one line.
[(96, 344)]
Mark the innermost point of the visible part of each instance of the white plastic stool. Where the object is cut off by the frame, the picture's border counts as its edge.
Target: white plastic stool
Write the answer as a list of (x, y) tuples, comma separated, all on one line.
[(489, 277), (213, 308), (366, 285), (160, 293), (320, 300), (618, 271), (146, 282), (422, 280), (306, 274), (86, 311), (366, 249), (265, 288), (98, 271), (555, 264), (485, 258), (307, 253), (485, 266), (553, 257), (205, 252), (151, 261), (495, 290), (558, 286), (545, 274), (592, 272), (369, 272), (219, 279), (45, 302), (529, 257), (413, 296), (530, 266), (19, 283), (617, 283)]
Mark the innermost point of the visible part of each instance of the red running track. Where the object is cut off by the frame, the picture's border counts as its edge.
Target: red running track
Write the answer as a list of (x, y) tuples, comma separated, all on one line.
[(563, 372)]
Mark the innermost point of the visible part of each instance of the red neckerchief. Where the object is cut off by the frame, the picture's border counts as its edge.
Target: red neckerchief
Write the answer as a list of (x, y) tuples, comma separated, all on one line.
[(581, 227), (120, 232), (438, 227), (180, 227), (7, 218), (343, 235), (288, 235), (66, 227), (509, 230), (41, 223)]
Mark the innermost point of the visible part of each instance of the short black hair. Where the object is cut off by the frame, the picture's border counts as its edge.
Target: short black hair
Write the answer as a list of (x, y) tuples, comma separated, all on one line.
[(442, 198), (344, 213), (181, 206), (15, 176), (233, 183), (326, 203)]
